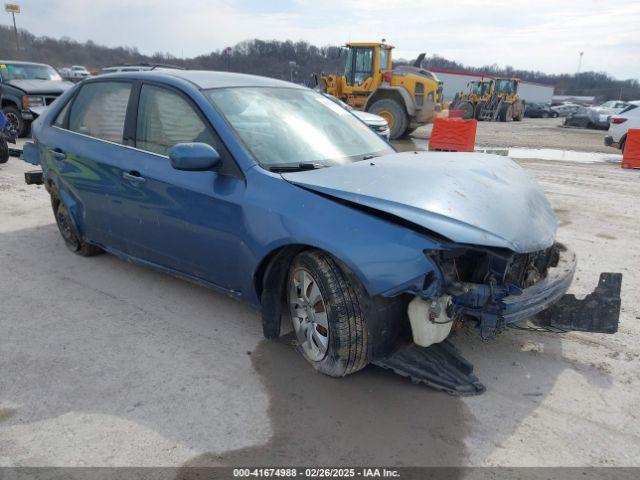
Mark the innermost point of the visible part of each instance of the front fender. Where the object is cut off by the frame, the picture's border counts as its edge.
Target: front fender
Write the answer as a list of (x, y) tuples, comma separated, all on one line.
[(387, 257)]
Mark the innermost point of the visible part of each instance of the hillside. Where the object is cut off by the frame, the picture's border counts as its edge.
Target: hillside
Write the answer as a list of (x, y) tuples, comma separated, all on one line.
[(272, 58)]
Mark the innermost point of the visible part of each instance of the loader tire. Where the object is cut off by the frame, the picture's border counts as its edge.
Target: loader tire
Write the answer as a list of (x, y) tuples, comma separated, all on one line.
[(394, 114), (506, 113), (467, 110), (327, 314), (479, 106)]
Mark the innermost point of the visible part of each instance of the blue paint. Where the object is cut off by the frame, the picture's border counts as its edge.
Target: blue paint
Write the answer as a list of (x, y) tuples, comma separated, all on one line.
[(217, 229)]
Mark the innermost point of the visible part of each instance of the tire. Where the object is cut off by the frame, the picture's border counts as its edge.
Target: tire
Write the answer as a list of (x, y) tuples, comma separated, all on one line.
[(622, 144), (68, 231), (393, 113), (555, 115), (4, 150), (326, 314), (518, 117), (479, 106), (15, 118), (467, 110), (506, 113)]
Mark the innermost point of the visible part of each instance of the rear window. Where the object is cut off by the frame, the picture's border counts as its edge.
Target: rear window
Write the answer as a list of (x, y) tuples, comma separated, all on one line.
[(629, 108), (100, 109)]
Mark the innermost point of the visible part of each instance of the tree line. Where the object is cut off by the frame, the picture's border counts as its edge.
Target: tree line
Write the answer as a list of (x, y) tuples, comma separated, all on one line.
[(287, 60)]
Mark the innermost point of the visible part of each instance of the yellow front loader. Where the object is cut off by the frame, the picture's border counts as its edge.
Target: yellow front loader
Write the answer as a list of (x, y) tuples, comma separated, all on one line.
[(407, 96), (470, 102), (504, 103)]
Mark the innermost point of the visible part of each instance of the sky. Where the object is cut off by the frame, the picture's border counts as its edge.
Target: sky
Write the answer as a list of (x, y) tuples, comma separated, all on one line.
[(542, 35)]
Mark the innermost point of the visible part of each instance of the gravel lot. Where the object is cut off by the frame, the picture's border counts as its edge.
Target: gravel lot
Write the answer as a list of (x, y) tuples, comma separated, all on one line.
[(534, 133), (108, 363)]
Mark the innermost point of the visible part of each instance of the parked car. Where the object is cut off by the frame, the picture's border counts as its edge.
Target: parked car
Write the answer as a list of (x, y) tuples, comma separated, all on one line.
[(78, 73), (265, 191), (566, 108), (539, 110), (27, 89), (375, 122), (65, 72), (620, 124), (586, 118)]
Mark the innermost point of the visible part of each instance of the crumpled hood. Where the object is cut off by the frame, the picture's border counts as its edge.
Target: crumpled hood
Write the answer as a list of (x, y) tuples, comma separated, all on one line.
[(41, 86), (471, 198)]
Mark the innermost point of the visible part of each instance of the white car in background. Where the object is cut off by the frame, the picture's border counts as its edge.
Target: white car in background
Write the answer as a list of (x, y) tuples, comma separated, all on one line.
[(567, 109), (373, 121), (620, 124), (78, 73)]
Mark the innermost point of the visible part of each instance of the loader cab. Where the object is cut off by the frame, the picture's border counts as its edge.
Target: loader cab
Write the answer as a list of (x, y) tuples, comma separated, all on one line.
[(366, 61), (507, 86)]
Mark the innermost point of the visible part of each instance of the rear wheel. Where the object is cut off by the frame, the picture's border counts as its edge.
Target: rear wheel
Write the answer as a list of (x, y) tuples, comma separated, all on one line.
[(394, 114), (68, 231), (326, 314)]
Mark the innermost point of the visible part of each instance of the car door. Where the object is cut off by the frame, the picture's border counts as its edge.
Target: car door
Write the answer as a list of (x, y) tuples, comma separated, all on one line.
[(86, 150), (190, 222)]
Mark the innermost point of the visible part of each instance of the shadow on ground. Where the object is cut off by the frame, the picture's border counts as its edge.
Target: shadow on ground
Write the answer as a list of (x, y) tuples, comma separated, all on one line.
[(370, 417)]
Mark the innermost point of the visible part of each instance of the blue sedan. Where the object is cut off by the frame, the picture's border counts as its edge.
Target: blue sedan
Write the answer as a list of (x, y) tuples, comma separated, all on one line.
[(278, 196)]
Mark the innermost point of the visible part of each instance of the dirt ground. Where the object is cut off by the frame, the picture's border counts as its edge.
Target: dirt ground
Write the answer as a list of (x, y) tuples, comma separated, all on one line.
[(534, 133), (107, 363)]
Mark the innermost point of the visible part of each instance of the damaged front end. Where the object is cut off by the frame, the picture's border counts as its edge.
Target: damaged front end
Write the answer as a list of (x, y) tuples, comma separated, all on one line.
[(494, 288)]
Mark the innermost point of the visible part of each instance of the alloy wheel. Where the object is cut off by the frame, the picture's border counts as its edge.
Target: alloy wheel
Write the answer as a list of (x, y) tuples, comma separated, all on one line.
[(308, 315)]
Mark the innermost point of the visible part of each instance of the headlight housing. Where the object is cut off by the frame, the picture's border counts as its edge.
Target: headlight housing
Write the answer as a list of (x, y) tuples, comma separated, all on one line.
[(30, 101)]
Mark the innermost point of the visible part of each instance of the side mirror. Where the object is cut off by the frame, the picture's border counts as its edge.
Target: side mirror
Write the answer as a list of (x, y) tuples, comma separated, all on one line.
[(193, 157)]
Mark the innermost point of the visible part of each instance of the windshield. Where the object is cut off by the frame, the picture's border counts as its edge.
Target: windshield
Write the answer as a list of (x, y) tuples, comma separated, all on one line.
[(26, 71), (286, 126)]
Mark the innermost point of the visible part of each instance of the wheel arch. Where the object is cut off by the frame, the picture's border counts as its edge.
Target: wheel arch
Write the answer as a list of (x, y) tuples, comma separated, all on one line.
[(397, 94), (269, 281), (383, 316), (10, 101), (73, 206)]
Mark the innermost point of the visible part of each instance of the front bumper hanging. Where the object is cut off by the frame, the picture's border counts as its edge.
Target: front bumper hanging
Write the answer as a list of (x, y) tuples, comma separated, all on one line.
[(441, 366)]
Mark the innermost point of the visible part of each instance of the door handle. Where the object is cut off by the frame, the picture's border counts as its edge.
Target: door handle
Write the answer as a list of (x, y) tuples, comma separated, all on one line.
[(59, 154), (133, 177)]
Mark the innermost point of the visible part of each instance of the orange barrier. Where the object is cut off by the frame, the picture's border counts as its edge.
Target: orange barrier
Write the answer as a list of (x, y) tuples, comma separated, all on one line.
[(453, 135), (631, 154)]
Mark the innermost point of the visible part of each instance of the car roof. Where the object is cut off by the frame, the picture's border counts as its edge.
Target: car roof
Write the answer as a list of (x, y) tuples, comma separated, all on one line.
[(206, 79), (17, 62)]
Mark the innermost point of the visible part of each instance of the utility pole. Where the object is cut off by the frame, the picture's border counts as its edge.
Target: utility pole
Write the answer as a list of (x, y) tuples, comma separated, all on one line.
[(580, 62), (14, 8), (226, 53), (292, 67)]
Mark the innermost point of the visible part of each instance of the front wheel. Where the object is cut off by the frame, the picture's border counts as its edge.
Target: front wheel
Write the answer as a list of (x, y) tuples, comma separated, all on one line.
[(394, 114), (14, 118), (326, 314), (506, 113)]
